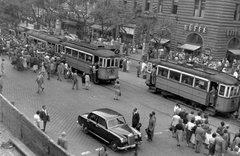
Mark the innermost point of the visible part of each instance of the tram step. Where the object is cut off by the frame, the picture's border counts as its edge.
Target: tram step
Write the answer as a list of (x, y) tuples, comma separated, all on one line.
[(210, 111)]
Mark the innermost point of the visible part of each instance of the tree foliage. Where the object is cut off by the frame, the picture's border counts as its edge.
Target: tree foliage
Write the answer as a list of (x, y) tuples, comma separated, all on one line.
[(112, 15)]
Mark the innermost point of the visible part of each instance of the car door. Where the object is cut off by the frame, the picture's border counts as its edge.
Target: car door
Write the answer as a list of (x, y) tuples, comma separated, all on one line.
[(92, 122), (102, 129)]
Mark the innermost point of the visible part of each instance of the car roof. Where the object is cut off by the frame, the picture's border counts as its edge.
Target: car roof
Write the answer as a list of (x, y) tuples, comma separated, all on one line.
[(106, 113)]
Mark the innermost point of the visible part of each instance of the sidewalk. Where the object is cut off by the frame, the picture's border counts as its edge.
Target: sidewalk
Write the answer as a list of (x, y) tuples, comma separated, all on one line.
[(7, 149)]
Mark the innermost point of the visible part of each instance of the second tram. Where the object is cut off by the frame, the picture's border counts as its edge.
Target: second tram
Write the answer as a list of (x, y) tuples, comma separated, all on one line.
[(85, 57), (208, 89)]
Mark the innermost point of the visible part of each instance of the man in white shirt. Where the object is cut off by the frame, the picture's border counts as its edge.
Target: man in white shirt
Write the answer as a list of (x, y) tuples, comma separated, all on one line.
[(189, 132), (198, 116), (175, 120)]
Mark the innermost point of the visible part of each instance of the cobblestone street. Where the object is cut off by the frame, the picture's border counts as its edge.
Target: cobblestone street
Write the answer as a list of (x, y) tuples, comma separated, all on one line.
[(65, 104)]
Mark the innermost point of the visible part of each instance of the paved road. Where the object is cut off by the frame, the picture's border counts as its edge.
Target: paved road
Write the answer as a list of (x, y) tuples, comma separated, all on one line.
[(64, 105)]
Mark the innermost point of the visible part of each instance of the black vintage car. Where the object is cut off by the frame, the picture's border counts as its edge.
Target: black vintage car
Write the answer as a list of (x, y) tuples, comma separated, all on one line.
[(111, 127)]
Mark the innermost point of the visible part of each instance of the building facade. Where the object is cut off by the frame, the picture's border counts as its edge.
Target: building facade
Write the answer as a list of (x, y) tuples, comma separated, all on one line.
[(209, 26)]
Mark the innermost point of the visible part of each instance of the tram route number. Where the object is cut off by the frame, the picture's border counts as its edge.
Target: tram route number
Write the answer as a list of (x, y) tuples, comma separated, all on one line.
[(112, 77)]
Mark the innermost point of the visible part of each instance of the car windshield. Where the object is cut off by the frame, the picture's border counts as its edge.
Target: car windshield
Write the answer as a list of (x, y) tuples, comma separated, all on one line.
[(116, 122)]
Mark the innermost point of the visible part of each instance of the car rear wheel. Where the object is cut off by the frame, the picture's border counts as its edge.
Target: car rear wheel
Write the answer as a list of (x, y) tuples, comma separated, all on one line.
[(85, 129), (114, 146)]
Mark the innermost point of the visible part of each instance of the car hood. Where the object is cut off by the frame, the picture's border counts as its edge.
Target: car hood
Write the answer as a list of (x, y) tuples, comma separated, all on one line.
[(123, 130)]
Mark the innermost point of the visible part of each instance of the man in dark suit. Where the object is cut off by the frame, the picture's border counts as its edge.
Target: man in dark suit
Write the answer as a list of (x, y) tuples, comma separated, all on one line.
[(200, 138), (44, 117), (135, 118), (219, 145)]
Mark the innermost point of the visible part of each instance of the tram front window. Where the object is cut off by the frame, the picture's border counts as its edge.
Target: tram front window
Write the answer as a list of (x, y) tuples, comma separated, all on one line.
[(222, 90)]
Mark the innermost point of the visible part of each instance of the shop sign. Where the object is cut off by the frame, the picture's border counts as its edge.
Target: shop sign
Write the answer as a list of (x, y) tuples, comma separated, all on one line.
[(195, 28), (231, 32)]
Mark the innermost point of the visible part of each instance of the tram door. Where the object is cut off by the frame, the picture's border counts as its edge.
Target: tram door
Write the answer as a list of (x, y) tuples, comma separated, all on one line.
[(212, 94)]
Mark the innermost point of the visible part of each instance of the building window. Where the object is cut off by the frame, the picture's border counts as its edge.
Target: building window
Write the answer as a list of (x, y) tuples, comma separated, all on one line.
[(174, 6), (237, 13), (147, 5), (199, 8), (160, 6)]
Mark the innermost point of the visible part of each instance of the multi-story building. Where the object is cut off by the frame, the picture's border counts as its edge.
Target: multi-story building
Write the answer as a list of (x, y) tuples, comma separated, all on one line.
[(210, 26)]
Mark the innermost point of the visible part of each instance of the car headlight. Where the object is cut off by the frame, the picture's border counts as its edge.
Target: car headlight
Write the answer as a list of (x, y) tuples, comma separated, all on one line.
[(123, 140)]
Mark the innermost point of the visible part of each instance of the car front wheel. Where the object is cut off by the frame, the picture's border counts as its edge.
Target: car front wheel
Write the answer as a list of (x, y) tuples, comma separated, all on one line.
[(114, 146), (85, 129)]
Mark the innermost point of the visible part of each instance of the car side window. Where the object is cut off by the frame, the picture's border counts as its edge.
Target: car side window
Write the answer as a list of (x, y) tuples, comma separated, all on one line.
[(102, 122), (93, 117)]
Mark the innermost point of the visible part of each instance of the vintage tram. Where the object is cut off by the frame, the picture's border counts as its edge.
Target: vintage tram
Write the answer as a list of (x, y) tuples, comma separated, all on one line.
[(194, 85), (83, 56), (44, 40)]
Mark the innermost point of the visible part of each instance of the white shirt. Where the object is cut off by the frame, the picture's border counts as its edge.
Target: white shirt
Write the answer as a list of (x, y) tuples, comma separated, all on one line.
[(198, 118), (175, 120), (208, 137), (190, 125), (235, 74), (36, 118)]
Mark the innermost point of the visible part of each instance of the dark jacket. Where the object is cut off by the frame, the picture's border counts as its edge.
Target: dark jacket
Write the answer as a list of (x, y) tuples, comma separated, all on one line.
[(135, 119), (43, 116)]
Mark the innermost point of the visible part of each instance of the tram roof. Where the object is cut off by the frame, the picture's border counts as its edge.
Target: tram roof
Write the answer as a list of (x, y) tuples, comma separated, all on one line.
[(43, 36), (98, 52), (211, 74)]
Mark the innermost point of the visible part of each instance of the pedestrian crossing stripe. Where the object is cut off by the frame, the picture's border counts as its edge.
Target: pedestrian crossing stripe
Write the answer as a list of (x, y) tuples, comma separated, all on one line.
[(85, 153)]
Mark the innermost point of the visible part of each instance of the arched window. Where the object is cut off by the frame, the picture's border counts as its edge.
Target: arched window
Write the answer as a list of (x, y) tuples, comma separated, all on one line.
[(234, 44), (194, 38)]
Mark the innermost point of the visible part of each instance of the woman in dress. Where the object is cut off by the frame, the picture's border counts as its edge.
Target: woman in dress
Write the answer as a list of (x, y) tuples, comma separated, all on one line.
[(179, 129), (117, 90)]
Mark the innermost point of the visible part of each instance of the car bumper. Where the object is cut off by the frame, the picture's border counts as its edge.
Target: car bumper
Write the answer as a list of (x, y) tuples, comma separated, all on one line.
[(130, 146)]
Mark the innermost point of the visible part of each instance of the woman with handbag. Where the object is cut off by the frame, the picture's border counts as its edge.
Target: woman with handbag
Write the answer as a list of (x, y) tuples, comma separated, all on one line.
[(117, 90)]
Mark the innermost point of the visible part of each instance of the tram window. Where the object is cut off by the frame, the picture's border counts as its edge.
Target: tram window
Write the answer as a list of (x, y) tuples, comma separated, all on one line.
[(101, 64), (74, 53), (68, 51), (239, 90), (186, 79), (174, 75), (81, 55), (108, 62), (89, 58), (112, 62), (227, 93), (116, 62), (222, 90), (163, 72), (201, 84)]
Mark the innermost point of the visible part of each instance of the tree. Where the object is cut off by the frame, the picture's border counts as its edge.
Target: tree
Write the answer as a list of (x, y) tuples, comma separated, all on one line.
[(80, 9), (155, 28), (10, 13), (112, 15)]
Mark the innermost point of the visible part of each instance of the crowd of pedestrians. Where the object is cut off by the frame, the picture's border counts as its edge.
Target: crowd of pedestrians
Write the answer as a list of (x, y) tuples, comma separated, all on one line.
[(196, 130)]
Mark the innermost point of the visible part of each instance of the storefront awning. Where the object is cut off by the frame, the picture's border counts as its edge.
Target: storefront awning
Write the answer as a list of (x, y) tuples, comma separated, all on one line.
[(235, 51), (163, 41), (99, 27), (190, 47)]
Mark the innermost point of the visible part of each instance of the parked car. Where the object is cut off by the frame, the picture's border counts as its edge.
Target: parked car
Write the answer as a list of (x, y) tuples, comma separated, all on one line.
[(111, 127)]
